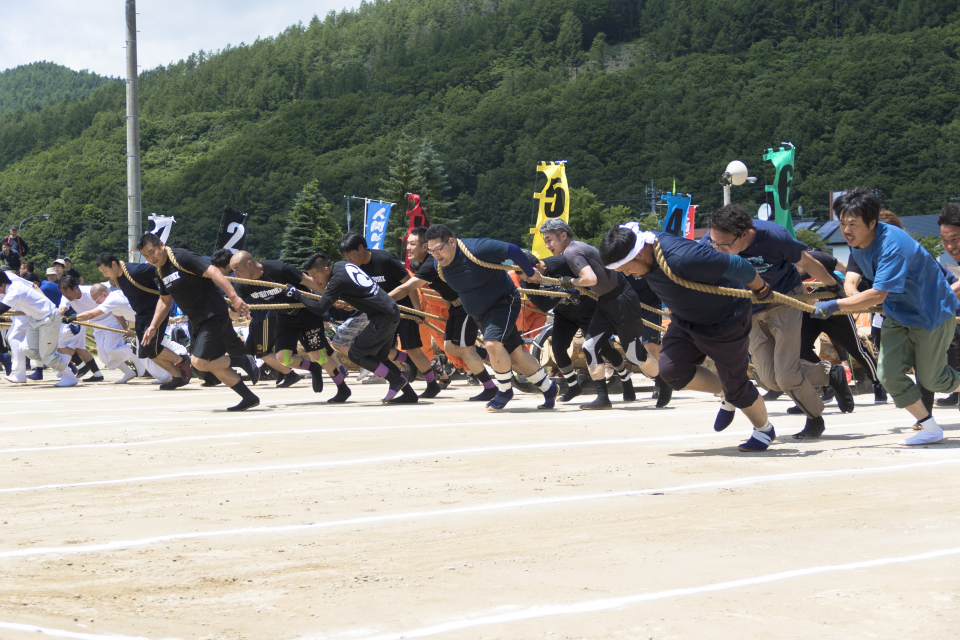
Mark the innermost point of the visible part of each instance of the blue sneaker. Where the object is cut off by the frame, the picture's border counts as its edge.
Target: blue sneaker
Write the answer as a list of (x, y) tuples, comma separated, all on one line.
[(724, 418), (550, 396), (759, 441), (500, 400)]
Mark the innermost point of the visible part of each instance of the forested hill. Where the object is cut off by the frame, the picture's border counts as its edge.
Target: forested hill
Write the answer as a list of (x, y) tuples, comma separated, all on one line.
[(31, 86), (470, 94)]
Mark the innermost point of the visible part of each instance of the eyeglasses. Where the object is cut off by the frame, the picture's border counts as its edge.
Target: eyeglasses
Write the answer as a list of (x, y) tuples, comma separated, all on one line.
[(726, 245), (436, 252)]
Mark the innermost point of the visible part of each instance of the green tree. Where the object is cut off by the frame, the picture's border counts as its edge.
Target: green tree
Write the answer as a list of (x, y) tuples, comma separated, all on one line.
[(430, 183), (811, 238), (309, 228), (570, 39), (415, 168), (931, 244), (598, 51)]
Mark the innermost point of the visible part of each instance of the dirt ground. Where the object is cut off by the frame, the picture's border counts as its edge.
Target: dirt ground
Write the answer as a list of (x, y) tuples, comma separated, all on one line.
[(130, 512)]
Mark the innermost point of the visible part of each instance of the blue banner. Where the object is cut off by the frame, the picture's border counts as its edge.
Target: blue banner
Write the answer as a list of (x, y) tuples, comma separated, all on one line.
[(375, 229), (675, 221)]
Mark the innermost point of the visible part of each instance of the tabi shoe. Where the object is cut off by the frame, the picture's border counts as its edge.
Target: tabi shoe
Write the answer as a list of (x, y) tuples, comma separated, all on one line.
[(759, 441), (812, 430)]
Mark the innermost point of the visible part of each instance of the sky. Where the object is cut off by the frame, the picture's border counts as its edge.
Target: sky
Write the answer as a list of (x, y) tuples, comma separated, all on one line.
[(90, 34)]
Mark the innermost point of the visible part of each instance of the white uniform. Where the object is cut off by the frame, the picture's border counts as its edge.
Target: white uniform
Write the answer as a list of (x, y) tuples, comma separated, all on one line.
[(111, 348), (116, 304), (42, 322)]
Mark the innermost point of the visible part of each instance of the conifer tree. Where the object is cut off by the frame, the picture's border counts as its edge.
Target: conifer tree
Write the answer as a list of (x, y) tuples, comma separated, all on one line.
[(309, 227)]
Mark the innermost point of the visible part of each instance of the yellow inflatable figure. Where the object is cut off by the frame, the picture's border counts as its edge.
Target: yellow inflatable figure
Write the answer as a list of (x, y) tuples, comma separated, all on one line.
[(554, 202)]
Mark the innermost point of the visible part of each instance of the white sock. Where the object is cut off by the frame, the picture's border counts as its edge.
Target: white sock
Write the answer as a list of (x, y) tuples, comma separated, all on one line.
[(124, 369), (726, 406), (930, 434), (766, 427), (540, 379), (504, 380)]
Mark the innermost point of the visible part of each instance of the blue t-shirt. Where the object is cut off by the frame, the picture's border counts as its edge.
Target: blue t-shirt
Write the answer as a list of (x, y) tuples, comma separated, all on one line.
[(698, 263), (52, 291), (918, 294), (480, 288), (144, 304), (773, 253)]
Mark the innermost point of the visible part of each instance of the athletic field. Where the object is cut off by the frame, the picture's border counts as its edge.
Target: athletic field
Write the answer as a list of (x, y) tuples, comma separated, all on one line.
[(130, 512)]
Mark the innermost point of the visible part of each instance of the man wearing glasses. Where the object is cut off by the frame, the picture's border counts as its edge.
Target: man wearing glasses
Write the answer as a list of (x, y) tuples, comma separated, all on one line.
[(492, 300), (775, 335)]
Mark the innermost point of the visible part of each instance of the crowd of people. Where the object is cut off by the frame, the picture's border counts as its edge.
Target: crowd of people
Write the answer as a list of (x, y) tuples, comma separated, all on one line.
[(617, 290)]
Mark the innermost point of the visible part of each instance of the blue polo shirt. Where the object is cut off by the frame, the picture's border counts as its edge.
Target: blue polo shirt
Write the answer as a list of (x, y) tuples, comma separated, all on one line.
[(918, 294), (773, 253), (698, 263), (51, 290), (480, 288)]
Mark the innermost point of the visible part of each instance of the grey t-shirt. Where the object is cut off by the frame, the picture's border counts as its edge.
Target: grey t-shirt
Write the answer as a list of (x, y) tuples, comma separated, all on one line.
[(580, 254)]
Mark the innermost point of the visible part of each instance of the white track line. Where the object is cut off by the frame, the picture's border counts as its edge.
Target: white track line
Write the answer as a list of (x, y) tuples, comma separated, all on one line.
[(480, 508), (606, 604), (397, 457), (61, 633), (247, 434)]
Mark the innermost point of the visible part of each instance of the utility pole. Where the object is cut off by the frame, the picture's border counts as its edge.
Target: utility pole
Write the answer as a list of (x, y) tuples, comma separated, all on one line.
[(134, 222), (59, 243)]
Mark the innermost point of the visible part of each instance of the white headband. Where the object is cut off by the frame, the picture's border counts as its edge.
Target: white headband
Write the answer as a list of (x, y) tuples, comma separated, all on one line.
[(643, 238)]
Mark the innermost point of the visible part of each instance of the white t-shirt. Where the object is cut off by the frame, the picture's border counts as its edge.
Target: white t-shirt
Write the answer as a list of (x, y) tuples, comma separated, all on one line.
[(23, 297), (117, 304), (85, 303)]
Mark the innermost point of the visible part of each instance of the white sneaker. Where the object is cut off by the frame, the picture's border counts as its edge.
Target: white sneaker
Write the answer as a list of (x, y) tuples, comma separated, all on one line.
[(20, 377), (363, 373), (127, 377), (67, 379)]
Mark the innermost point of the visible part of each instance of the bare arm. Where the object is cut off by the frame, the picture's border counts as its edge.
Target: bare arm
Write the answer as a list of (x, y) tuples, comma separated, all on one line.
[(395, 294), (407, 288), (816, 270), (850, 283), (163, 310), (869, 298), (586, 278)]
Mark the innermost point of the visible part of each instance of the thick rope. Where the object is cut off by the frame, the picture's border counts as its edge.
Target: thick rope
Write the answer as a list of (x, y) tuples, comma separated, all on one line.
[(503, 267), (123, 267), (410, 311), (100, 327), (655, 310), (742, 293)]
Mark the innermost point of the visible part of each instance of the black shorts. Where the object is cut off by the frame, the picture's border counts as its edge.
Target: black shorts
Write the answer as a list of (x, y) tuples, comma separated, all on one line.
[(376, 340), (212, 337), (409, 333), (154, 348), (311, 335), (499, 323), (461, 330), (261, 336)]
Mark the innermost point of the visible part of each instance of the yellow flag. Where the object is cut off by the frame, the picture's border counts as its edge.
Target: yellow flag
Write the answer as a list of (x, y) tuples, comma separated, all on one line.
[(554, 202)]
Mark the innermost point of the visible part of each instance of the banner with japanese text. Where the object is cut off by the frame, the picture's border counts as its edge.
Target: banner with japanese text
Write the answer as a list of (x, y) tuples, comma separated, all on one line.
[(375, 223)]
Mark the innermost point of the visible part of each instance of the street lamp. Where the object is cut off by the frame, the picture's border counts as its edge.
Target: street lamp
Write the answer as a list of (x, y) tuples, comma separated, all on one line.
[(39, 215), (735, 174)]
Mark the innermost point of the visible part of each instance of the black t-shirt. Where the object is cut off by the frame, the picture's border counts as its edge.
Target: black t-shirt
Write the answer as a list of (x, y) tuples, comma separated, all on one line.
[(428, 273), (283, 273), (579, 255), (853, 267), (579, 312), (828, 261), (387, 272), (74, 273), (196, 296), (144, 304), (350, 283), (12, 260)]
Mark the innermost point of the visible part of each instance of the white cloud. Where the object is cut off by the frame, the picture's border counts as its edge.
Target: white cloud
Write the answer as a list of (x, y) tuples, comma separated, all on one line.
[(90, 35)]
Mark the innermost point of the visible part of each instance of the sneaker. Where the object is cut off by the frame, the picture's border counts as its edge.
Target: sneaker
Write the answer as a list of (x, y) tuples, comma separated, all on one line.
[(500, 400), (666, 392), (472, 381), (838, 382), (185, 370), (880, 394), (485, 396), (828, 394), (288, 380), (176, 383), (67, 379), (795, 410), (598, 404), (724, 417), (363, 374), (432, 390), (572, 392), (550, 396), (812, 430), (759, 441), (97, 377), (948, 401)]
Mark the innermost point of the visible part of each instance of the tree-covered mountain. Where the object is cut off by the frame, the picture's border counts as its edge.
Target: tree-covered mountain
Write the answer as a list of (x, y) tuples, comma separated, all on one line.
[(628, 91), (31, 86)]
